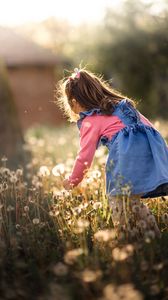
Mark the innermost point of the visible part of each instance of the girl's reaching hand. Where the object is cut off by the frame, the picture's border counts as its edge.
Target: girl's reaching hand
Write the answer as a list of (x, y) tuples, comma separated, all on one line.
[(67, 185)]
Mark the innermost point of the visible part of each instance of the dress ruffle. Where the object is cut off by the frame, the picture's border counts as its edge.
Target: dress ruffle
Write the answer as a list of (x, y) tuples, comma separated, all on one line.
[(129, 110), (90, 112)]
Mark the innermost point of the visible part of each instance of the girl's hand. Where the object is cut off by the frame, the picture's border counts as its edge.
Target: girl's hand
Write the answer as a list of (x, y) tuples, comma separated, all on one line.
[(67, 185)]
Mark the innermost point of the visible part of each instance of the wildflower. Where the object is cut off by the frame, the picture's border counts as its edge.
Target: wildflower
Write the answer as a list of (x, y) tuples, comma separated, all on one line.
[(77, 210), (26, 208), (96, 174), (17, 226), (58, 170), (4, 159), (126, 190), (89, 180), (84, 205), (5, 171), (90, 275), (56, 213), (19, 172), (10, 208), (100, 152), (125, 291), (129, 249), (4, 186), (104, 235), (29, 166), (82, 223), (80, 226), (36, 221), (61, 193), (97, 205), (60, 269), (71, 256), (44, 171), (158, 267), (13, 179), (38, 184), (119, 254)]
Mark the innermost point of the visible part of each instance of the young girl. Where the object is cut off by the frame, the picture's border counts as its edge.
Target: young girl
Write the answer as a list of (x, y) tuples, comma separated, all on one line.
[(137, 163)]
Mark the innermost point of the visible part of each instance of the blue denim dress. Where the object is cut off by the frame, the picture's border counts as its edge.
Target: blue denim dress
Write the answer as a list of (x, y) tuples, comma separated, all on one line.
[(137, 161)]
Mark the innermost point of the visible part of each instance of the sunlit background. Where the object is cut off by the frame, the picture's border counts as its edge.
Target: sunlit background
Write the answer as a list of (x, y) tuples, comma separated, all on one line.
[(20, 11)]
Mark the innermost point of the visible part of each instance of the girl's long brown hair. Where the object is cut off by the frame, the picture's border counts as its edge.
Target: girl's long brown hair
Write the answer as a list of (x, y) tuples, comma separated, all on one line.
[(90, 91)]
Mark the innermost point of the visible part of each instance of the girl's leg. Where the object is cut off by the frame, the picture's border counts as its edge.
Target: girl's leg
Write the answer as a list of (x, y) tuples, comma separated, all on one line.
[(145, 218), (119, 218), (131, 214)]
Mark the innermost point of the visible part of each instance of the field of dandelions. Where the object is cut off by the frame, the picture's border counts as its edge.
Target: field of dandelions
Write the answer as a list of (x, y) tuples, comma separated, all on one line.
[(58, 244)]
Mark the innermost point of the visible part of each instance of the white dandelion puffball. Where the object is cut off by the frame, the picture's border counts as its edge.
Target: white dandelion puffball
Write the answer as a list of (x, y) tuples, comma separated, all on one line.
[(58, 170), (44, 171)]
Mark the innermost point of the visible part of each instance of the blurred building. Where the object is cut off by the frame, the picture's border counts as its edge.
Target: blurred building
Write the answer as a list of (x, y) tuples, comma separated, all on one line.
[(33, 72)]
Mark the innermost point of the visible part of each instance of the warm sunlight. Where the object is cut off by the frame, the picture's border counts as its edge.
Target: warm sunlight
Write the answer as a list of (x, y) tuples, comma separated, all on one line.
[(21, 11), (18, 12)]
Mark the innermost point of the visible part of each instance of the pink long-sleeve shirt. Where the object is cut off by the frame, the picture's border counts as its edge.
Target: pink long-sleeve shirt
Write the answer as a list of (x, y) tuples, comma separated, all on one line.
[(92, 129)]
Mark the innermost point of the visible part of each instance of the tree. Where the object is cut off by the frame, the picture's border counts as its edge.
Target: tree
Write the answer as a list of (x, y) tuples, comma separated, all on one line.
[(133, 49)]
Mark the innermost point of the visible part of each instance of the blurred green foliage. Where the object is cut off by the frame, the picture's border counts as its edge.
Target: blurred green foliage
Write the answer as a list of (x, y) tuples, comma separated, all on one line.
[(134, 49), (130, 48)]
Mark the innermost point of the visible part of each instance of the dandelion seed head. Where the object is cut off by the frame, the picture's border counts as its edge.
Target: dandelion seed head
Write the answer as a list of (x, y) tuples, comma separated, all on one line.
[(125, 291), (4, 159), (71, 256), (119, 254), (10, 208), (26, 208), (97, 205), (17, 226), (81, 223), (90, 275), (58, 169), (104, 235), (13, 179), (36, 221), (44, 171), (96, 174), (19, 172), (60, 269)]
